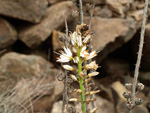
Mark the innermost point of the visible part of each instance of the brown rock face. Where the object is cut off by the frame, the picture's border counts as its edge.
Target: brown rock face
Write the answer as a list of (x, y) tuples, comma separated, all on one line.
[(17, 66), (34, 35), (56, 42), (31, 10), (8, 34), (55, 1), (119, 6), (96, 1), (110, 34)]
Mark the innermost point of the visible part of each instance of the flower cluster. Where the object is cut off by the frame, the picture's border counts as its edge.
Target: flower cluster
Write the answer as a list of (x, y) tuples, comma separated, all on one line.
[(131, 103), (77, 52)]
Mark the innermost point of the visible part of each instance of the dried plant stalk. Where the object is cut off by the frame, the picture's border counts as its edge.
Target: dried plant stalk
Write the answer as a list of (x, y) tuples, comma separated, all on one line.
[(136, 73)]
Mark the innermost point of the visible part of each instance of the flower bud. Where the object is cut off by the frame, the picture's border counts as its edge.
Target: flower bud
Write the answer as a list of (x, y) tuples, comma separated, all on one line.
[(93, 110), (128, 86), (130, 105), (73, 100), (127, 95), (140, 86), (73, 77), (78, 90), (138, 101), (92, 92), (75, 13)]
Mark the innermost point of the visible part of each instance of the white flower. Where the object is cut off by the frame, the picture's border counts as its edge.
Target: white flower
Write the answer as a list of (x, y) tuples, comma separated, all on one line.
[(92, 65), (91, 55), (76, 59), (73, 100), (86, 39), (65, 56), (76, 39), (68, 67), (93, 110), (73, 77), (93, 74), (79, 40), (73, 38), (84, 52)]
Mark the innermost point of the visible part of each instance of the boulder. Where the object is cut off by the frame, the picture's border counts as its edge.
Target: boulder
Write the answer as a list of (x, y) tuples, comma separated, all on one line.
[(55, 40), (31, 81), (96, 1), (144, 77), (18, 66), (34, 35), (55, 1), (8, 35), (110, 34), (120, 7), (31, 10)]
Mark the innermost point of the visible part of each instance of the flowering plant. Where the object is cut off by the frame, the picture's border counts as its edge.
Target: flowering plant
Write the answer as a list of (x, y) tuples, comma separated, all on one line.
[(77, 53)]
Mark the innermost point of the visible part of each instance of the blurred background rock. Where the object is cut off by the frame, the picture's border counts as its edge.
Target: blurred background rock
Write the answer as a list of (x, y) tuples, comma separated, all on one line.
[(29, 29)]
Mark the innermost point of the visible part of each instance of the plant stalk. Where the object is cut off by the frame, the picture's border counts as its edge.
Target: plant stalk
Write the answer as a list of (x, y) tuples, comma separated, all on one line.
[(81, 82), (136, 73), (81, 11)]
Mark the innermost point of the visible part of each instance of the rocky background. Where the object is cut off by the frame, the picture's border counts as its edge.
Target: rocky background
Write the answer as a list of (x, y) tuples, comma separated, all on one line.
[(29, 33)]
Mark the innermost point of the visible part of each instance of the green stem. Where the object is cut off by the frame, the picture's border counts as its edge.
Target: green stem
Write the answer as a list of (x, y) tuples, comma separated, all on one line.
[(81, 82)]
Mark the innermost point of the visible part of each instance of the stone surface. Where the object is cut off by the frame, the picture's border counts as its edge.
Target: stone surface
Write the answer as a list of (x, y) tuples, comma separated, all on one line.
[(120, 7), (110, 34), (55, 40), (105, 13), (144, 77), (34, 35), (57, 107), (31, 10), (115, 67), (137, 15), (104, 106), (17, 66), (8, 34), (96, 1), (55, 1)]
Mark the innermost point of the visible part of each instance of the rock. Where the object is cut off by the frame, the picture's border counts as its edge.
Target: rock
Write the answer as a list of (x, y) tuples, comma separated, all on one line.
[(34, 35), (31, 81), (55, 1), (107, 38), (57, 107), (137, 15), (149, 100), (17, 66), (115, 67), (144, 77), (96, 1), (31, 10), (120, 102), (55, 40), (104, 106), (120, 7), (8, 34), (105, 13)]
